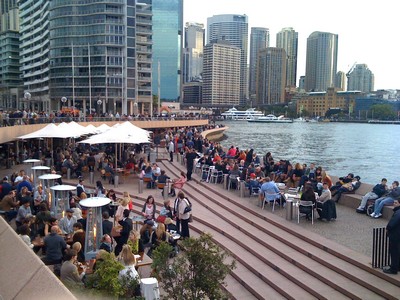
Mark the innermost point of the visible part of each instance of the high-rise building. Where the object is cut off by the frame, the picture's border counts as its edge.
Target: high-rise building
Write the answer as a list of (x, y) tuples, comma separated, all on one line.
[(321, 61), (9, 54), (259, 39), (232, 28), (221, 75), (167, 48), (34, 51), (271, 76), (340, 80), (360, 78), (193, 52), (287, 39), (95, 57)]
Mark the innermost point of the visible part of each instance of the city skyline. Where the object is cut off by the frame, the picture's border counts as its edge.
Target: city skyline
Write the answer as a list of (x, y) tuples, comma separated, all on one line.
[(366, 33)]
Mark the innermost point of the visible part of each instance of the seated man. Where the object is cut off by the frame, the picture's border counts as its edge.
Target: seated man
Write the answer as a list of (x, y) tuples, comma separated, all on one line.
[(55, 247), (388, 199), (347, 188), (378, 191), (252, 183), (66, 223), (269, 190), (69, 274)]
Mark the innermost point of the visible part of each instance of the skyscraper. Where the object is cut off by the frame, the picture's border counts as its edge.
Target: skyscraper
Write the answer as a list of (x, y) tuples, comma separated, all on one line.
[(221, 74), (167, 47), (193, 52), (360, 78), (97, 57), (340, 80), (271, 76), (9, 53), (259, 39), (321, 61), (34, 49), (287, 39), (233, 28)]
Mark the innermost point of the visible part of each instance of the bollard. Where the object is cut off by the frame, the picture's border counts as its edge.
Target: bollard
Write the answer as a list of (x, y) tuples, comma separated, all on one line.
[(178, 156), (226, 182), (68, 173), (289, 209), (165, 192), (140, 186), (116, 181), (242, 189), (91, 177)]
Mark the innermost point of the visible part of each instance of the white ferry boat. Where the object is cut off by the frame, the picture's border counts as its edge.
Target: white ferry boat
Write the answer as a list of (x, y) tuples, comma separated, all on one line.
[(271, 119), (234, 114)]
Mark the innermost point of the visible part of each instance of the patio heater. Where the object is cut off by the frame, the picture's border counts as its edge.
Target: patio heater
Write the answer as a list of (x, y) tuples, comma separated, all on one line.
[(59, 199), (35, 169), (48, 180), (94, 221)]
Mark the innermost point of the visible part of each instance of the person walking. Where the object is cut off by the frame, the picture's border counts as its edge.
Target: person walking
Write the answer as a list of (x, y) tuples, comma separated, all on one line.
[(393, 232), (171, 150)]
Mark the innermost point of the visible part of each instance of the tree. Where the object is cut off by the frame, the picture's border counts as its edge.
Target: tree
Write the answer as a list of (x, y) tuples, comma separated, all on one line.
[(196, 273), (383, 112)]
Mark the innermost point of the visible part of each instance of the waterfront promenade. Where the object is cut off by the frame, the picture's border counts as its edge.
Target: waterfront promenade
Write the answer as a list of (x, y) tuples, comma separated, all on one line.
[(277, 258)]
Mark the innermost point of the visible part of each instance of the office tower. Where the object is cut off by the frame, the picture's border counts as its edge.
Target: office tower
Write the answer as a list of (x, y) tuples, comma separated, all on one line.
[(233, 28), (144, 56), (259, 39), (193, 52), (192, 93), (34, 51), (321, 61), (271, 76), (167, 48), (221, 75), (287, 39), (9, 54), (340, 80), (360, 78), (103, 66)]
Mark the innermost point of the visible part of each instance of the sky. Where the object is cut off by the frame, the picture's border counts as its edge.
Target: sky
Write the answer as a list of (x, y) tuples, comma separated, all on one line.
[(368, 30)]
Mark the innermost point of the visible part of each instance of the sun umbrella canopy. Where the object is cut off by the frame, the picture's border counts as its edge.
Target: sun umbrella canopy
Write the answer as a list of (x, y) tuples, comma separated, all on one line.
[(49, 131), (125, 133)]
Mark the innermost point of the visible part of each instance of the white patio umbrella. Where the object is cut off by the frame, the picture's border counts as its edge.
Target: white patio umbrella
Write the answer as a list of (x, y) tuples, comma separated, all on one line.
[(124, 133), (75, 127), (49, 131)]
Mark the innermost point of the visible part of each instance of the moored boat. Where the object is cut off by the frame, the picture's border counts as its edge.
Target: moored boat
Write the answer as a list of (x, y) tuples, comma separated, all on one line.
[(234, 114), (271, 119)]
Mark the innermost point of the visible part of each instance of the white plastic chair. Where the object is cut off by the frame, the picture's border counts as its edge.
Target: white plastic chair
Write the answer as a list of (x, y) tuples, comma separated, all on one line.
[(270, 194), (215, 175)]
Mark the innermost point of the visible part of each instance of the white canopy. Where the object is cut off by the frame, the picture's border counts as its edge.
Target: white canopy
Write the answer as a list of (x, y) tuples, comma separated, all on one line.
[(49, 131), (125, 133)]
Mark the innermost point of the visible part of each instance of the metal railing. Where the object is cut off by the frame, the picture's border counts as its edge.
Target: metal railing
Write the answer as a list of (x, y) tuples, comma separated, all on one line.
[(380, 248)]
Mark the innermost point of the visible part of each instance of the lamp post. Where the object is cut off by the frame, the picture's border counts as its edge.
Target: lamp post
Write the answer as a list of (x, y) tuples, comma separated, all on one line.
[(99, 102), (27, 97), (63, 100)]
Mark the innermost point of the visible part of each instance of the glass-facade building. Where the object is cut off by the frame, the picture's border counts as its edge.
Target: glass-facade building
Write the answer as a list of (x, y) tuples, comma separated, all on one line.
[(271, 77), (232, 28), (321, 61), (167, 48), (10, 80), (360, 78), (94, 50), (287, 39), (193, 52), (259, 39)]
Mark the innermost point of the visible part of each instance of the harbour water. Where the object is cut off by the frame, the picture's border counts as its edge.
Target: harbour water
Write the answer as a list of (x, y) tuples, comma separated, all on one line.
[(368, 150)]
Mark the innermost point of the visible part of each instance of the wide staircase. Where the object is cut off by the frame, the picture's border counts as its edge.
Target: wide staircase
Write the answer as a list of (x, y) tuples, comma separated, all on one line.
[(274, 258)]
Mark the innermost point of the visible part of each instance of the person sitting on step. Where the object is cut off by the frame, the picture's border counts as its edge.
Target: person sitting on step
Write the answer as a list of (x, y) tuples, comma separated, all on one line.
[(378, 191)]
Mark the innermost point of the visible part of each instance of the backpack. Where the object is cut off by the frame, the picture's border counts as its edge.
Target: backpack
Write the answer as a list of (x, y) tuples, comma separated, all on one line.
[(370, 209)]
